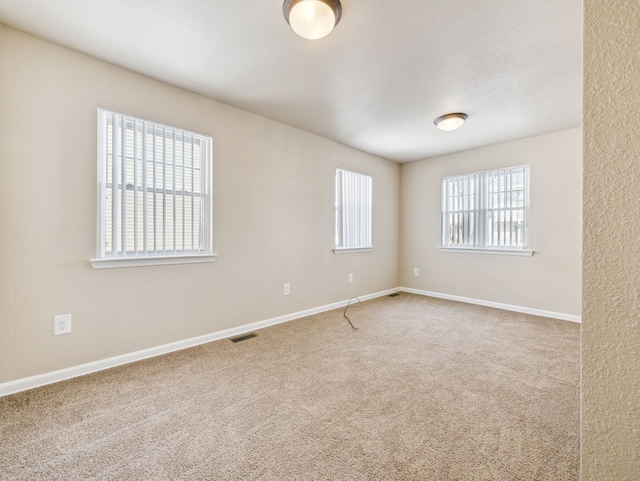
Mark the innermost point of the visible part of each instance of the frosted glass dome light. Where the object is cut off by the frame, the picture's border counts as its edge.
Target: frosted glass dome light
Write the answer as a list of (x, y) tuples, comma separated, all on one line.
[(450, 122), (312, 19)]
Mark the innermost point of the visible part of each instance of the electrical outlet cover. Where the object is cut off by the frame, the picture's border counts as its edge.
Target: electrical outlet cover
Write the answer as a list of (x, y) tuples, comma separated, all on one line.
[(62, 324)]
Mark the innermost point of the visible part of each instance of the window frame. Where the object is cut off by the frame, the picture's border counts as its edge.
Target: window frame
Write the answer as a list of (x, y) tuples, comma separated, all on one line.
[(362, 214), (138, 126), (478, 210)]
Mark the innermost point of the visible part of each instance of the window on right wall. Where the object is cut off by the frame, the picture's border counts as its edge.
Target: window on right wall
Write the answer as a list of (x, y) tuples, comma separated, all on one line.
[(487, 211)]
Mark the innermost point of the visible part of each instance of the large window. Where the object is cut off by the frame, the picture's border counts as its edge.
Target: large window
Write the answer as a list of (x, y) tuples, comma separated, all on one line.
[(353, 212), (486, 210), (154, 193)]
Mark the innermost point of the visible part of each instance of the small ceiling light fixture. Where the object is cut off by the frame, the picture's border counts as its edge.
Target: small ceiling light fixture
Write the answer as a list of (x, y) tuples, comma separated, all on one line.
[(450, 122), (312, 19)]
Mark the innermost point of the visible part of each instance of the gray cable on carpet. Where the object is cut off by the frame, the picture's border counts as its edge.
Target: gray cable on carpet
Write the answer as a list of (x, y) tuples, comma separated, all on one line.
[(345, 312)]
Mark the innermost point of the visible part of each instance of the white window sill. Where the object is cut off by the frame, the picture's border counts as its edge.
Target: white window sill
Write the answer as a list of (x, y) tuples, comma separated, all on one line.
[(351, 250), (116, 262), (503, 252)]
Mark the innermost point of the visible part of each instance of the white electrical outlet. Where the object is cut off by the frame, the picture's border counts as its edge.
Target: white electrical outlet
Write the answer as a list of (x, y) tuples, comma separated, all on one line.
[(416, 271), (62, 324), (350, 278), (287, 289)]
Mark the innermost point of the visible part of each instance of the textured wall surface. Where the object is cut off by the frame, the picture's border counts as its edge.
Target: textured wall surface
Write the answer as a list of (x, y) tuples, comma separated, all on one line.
[(611, 242)]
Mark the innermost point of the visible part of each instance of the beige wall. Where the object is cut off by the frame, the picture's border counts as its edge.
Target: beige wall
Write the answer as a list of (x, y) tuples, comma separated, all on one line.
[(48, 98), (550, 279), (611, 274), (273, 217)]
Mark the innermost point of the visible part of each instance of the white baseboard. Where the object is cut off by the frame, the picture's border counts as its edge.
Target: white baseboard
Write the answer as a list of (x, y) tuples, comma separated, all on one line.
[(31, 382), (497, 305)]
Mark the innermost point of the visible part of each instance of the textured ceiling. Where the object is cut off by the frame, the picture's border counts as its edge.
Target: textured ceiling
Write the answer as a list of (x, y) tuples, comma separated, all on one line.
[(376, 83)]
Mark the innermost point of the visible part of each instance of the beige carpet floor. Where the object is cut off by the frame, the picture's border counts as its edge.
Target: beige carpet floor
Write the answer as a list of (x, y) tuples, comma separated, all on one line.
[(426, 389)]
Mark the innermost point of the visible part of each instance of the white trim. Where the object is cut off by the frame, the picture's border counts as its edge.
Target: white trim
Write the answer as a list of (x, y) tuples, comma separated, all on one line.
[(353, 205), (351, 250), (113, 262), (521, 166), (31, 382), (497, 305), (456, 199), (504, 252), (123, 180)]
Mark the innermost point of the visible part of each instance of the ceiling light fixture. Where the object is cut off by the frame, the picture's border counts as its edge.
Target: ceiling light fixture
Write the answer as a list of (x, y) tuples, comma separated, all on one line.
[(312, 19), (450, 122)]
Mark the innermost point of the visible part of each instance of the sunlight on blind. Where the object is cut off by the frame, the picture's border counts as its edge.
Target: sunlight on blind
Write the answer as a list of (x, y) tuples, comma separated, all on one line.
[(353, 209), (153, 178), (486, 209)]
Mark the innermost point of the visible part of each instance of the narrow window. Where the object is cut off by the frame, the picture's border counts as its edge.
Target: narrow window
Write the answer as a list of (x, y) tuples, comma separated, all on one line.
[(154, 191), (486, 210), (353, 212)]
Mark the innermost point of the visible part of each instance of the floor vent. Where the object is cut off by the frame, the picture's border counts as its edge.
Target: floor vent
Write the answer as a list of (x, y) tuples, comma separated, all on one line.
[(244, 338), (394, 294)]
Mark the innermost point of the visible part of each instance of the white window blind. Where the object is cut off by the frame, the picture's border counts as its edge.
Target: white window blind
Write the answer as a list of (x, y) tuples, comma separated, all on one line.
[(154, 189), (353, 210), (486, 210)]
